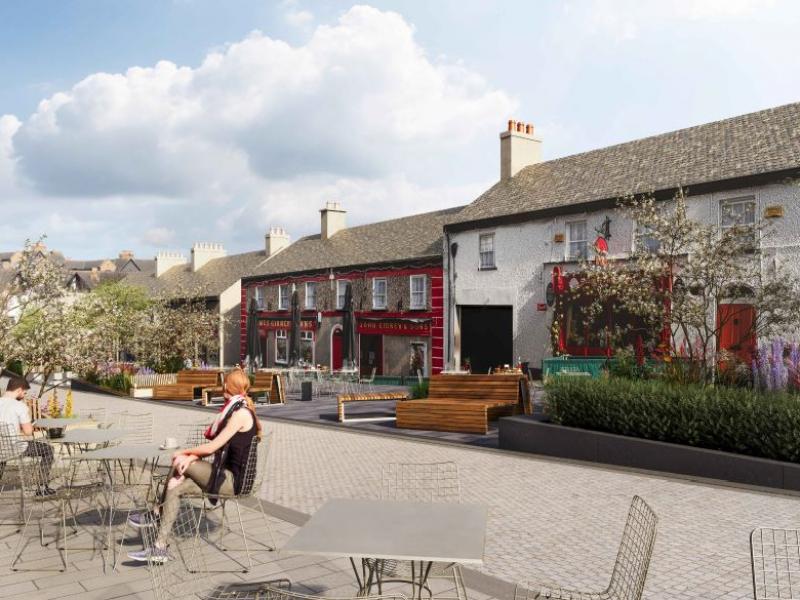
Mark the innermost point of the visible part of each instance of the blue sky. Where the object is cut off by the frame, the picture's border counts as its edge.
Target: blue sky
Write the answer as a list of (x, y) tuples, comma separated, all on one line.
[(243, 115)]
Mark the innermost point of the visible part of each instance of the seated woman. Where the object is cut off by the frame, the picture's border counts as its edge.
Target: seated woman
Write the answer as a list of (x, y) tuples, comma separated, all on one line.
[(230, 438)]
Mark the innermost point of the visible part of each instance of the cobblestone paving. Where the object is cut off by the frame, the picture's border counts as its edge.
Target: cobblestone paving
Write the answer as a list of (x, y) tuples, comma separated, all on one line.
[(550, 520)]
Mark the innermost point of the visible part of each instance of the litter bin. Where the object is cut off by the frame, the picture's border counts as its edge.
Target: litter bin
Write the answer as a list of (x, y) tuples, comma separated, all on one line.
[(306, 391)]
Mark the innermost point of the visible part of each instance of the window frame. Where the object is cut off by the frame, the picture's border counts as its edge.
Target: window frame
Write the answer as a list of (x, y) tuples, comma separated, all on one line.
[(385, 304), (343, 283), (739, 200), (281, 304), (306, 304), (481, 253), (641, 233), (308, 336), (424, 304), (285, 337), (568, 226)]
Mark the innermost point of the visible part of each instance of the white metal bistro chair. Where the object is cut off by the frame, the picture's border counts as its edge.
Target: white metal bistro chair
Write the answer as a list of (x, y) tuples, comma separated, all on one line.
[(419, 482), (630, 568), (252, 479), (775, 557), (51, 493)]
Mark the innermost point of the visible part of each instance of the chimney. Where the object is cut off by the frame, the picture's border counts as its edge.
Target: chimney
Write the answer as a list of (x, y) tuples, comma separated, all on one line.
[(126, 255), (333, 219), (518, 149), (166, 260), (276, 240), (202, 252)]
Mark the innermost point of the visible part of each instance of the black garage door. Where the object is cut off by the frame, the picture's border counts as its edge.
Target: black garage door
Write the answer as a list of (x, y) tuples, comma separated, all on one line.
[(487, 336)]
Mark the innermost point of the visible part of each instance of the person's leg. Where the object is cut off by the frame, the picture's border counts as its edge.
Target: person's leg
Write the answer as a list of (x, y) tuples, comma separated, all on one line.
[(195, 479)]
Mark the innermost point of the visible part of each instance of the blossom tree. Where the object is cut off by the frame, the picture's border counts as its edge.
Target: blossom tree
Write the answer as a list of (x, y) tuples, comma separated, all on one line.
[(680, 273)]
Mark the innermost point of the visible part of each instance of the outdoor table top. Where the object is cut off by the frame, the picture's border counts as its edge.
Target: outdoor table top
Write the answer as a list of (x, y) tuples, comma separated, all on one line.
[(125, 452), (59, 422), (398, 530), (91, 436)]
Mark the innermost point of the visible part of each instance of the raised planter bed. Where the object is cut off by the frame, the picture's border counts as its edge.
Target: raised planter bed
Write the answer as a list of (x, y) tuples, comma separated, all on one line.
[(531, 434), (81, 385)]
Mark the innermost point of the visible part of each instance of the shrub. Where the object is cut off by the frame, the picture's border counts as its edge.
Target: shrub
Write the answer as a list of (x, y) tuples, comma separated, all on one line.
[(120, 382), (719, 418), (420, 390)]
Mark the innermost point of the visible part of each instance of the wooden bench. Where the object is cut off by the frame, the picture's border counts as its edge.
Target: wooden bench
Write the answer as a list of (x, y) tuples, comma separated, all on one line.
[(262, 386), (188, 385), (387, 396), (464, 403)]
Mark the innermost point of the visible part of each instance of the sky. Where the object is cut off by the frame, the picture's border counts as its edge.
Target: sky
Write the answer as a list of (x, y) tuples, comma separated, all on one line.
[(149, 125)]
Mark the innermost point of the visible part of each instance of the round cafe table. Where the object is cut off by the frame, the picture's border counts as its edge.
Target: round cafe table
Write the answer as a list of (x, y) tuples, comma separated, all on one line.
[(59, 422), (91, 436)]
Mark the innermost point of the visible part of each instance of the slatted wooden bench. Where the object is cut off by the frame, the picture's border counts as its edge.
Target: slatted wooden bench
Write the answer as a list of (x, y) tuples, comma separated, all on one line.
[(386, 396), (463, 403), (262, 386), (189, 383)]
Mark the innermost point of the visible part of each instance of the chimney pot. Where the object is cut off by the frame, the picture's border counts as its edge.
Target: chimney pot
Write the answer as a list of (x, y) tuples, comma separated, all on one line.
[(518, 148)]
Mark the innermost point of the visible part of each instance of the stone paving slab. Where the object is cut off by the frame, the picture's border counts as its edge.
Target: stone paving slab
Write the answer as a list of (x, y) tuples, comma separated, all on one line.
[(550, 520)]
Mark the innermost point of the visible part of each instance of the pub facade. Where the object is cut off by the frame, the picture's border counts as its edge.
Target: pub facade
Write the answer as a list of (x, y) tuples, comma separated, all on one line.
[(398, 303)]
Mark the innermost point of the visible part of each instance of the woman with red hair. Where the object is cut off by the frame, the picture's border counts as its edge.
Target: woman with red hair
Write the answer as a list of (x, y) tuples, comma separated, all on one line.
[(229, 438)]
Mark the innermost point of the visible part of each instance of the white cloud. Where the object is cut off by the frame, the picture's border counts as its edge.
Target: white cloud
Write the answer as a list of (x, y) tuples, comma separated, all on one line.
[(158, 236), (260, 133), (625, 20), (299, 18)]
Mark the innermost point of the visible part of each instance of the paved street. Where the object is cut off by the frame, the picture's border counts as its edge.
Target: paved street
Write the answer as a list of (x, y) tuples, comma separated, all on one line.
[(549, 520)]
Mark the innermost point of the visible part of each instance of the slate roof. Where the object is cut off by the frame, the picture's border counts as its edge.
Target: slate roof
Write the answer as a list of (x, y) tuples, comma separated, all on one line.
[(397, 240), (758, 143), (209, 281)]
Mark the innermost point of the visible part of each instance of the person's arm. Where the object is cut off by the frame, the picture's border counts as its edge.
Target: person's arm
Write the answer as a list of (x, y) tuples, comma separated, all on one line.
[(24, 417)]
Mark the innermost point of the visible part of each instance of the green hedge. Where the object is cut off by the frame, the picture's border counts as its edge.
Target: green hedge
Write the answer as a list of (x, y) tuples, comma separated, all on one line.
[(721, 418)]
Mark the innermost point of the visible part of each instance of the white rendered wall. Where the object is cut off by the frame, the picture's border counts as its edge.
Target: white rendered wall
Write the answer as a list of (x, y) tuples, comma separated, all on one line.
[(525, 255)]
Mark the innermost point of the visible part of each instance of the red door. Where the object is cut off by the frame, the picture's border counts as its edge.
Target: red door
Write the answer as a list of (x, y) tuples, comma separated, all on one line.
[(336, 349), (735, 322)]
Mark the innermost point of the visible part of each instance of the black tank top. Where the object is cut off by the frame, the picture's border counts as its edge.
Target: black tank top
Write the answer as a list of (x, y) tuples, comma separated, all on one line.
[(238, 453)]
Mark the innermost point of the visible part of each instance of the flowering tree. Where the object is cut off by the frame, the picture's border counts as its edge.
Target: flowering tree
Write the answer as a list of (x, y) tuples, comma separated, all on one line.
[(32, 281), (51, 338), (116, 309), (680, 273), (170, 329)]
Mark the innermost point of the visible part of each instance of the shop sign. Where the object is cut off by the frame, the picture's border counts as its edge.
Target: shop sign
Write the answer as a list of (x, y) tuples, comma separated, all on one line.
[(274, 324), (394, 327)]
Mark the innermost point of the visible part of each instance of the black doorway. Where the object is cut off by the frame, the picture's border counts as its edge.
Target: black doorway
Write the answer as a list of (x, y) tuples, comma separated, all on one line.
[(487, 336)]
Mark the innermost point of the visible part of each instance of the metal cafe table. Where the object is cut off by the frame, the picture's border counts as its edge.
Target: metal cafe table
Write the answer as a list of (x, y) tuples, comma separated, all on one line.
[(394, 530)]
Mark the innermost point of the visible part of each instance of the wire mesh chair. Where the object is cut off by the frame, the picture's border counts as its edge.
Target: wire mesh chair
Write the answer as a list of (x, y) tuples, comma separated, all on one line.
[(191, 436), (43, 505), (139, 427), (419, 482), (630, 568), (186, 573), (775, 557), (96, 414), (252, 480)]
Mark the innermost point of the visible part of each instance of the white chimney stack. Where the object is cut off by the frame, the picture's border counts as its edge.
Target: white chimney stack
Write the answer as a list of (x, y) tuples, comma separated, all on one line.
[(518, 149), (333, 219), (166, 260), (202, 252), (276, 240)]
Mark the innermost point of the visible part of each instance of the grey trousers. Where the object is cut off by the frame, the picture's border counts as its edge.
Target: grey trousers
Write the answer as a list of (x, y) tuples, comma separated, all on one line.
[(198, 478)]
